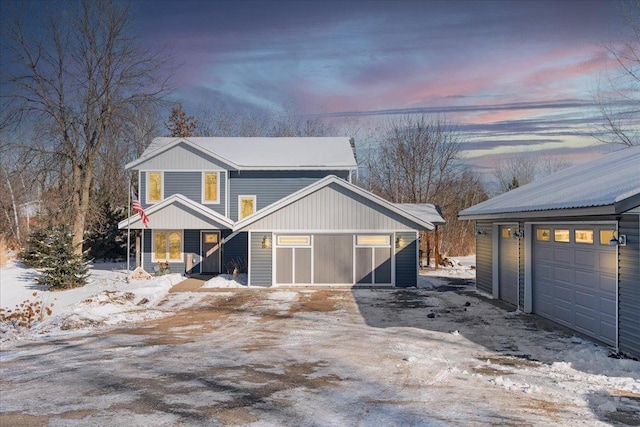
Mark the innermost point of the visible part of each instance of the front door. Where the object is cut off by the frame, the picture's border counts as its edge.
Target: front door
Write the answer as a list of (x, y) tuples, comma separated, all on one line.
[(210, 252)]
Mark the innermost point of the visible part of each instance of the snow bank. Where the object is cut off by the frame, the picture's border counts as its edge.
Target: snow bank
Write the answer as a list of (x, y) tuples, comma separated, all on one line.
[(107, 299), (227, 281)]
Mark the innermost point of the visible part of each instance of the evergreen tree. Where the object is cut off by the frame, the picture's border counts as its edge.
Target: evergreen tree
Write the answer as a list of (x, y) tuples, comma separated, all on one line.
[(180, 125), (51, 251), (106, 241)]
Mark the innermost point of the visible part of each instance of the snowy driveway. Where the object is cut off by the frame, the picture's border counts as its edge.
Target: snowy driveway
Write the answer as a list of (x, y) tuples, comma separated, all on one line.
[(322, 358)]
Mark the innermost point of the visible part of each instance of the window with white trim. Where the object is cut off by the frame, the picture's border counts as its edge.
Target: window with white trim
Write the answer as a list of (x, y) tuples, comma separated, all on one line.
[(211, 187), (294, 240), (246, 206), (154, 187), (167, 246)]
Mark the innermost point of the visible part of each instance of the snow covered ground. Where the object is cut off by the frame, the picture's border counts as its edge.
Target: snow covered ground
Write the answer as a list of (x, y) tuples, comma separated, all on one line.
[(116, 353)]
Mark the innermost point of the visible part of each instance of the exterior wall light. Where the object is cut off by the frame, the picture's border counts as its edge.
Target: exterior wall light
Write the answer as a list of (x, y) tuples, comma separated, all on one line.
[(620, 240), (399, 242), (518, 234), (266, 242), (481, 233)]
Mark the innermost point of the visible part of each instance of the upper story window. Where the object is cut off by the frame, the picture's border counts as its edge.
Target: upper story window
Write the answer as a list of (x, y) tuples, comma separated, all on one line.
[(246, 206), (210, 187), (154, 187)]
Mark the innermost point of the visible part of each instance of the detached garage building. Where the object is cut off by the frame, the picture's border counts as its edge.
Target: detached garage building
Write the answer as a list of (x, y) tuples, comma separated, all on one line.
[(566, 247)]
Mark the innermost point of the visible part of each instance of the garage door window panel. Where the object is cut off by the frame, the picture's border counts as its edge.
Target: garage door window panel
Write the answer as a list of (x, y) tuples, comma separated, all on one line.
[(543, 234), (584, 236), (561, 235), (606, 236)]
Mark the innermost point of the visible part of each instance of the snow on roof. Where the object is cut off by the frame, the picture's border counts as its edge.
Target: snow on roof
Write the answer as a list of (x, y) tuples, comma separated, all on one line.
[(425, 211), (602, 182), (272, 153)]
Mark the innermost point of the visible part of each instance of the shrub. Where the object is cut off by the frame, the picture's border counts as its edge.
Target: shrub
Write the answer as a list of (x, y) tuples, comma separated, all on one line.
[(26, 314)]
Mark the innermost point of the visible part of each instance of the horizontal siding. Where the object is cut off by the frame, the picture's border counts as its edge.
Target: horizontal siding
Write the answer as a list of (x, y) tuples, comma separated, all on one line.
[(629, 287), (182, 158), (150, 267), (333, 208), (260, 262), (270, 186), (406, 258), (484, 257)]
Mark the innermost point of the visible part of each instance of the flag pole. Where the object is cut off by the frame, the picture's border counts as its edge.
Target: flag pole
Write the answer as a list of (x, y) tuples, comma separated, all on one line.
[(129, 229)]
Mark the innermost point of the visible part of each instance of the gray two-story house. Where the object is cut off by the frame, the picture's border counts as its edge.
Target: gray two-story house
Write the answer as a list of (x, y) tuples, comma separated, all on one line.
[(284, 209)]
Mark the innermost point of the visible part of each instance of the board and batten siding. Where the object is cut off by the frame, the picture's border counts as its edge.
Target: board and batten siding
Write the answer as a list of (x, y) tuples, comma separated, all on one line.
[(182, 157), (484, 256), (629, 287), (260, 263), (235, 250), (191, 245), (270, 186), (406, 259), (333, 208)]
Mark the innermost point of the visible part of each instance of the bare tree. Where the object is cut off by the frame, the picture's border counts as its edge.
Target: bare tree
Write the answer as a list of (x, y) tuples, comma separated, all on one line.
[(180, 125), (81, 81), (618, 100), (523, 168)]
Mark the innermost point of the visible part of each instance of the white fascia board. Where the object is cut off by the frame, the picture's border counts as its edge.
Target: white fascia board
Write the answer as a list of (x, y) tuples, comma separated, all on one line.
[(213, 215), (600, 210), (160, 150)]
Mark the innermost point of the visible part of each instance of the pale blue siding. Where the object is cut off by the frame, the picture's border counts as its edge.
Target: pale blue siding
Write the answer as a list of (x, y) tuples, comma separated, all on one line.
[(271, 186), (406, 260), (187, 183), (484, 257), (260, 262)]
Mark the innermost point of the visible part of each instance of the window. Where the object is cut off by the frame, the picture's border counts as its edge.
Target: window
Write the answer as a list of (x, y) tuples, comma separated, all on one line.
[(561, 235), (584, 236), (373, 240), (543, 234), (211, 187), (154, 187), (507, 233), (246, 206), (294, 240), (167, 245), (605, 236)]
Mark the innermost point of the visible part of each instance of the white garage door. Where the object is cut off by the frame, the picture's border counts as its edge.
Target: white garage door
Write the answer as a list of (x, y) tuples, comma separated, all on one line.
[(574, 277)]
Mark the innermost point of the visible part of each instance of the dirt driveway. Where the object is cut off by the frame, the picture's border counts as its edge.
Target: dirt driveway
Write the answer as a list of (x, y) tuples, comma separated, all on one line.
[(322, 358)]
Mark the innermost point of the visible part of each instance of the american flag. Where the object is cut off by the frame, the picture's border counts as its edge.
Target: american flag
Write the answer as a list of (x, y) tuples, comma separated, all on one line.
[(137, 207)]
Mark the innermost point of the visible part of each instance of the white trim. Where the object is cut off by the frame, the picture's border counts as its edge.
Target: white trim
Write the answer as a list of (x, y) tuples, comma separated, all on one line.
[(255, 204), (203, 189), (147, 182), (167, 244), (249, 242), (179, 198), (528, 271), (227, 194), (324, 182)]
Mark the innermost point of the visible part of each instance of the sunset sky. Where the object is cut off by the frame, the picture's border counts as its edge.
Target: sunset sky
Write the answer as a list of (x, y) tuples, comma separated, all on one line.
[(515, 75)]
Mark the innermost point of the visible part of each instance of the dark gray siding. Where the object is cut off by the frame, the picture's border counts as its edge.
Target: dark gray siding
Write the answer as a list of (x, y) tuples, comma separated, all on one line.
[(271, 186), (235, 251), (191, 246), (406, 258), (261, 262), (521, 266), (629, 288), (484, 257)]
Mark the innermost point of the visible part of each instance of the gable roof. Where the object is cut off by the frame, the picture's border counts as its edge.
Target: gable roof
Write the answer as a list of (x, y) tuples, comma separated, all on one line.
[(194, 210), (304, 153), (418, 221), (609, 184), (426, 211)]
